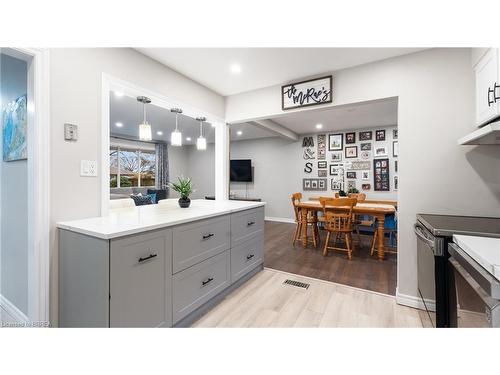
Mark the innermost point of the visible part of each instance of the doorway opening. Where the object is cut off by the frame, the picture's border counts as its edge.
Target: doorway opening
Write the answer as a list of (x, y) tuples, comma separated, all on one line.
[(350, 150)]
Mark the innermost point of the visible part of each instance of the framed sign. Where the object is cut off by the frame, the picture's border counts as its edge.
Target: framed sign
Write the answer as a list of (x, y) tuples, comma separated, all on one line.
[(306, 93), (381, 174)]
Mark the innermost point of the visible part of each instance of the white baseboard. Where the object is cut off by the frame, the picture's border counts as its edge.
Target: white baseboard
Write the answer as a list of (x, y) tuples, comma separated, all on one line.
[(12, 310), (415, 302), (280, 219)]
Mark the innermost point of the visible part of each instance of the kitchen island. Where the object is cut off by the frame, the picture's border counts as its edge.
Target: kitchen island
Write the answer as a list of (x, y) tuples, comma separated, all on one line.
[(156, 265)]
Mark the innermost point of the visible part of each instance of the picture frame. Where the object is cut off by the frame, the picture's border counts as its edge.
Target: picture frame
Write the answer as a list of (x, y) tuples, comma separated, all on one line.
[(337, 184), (365, 175), (314, 184), (322, 164), (360, 165), (381, 175), (337, 156), (366, 155), (306, 184), (335, 142), (351, 175), (380, 151), (394, 133), (395, 165), (334, 170), (366, 186), (395, 149), (307, 93), (380, 135), (322, 173), (395, 183), (351, 184), (322, 184), (350, 137), (365, 146), (365, 136), (351, 152), (321, 146)]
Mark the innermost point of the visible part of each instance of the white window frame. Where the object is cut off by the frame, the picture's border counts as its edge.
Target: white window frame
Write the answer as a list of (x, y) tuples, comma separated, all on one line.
[(138, 153)]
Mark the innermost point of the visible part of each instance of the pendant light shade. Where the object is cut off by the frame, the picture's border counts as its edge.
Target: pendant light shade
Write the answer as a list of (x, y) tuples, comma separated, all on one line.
[(145, 133), (201, 142), (176, 135)]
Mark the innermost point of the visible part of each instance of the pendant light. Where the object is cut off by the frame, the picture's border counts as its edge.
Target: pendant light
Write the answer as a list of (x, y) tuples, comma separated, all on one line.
[(176, 135), (144, 127), (201, 142)]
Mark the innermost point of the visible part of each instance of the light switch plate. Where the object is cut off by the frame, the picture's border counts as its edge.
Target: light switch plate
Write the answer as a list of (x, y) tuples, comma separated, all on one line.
[(70, 132), (88, 168)]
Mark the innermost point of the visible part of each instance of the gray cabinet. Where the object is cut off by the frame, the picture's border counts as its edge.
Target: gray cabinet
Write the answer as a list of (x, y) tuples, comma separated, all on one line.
[(157, 278), (198, 284), (193, 243), (246, 257), (140, 291), (246, 225)]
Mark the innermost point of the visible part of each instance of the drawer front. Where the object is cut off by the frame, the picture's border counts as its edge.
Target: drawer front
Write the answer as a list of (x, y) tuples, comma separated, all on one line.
[(140, 281), (196, 242), (246, 257), (198, 284), (246, 225)]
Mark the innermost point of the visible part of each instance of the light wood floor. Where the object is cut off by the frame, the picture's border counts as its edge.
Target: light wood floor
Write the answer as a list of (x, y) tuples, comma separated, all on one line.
[(264, 301)]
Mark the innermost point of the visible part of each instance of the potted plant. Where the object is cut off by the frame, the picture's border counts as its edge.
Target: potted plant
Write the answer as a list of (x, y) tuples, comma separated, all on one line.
[(184, 187)]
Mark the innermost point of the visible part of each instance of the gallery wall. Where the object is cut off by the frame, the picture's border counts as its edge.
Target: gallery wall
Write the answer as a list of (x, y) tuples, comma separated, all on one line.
[(435, 91), (14, 198), (279, 170)]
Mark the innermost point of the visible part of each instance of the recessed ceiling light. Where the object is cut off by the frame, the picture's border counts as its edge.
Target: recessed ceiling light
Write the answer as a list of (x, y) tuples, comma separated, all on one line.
[(188, 139), (239, 132), (159, 132), (118, 124), (118, 94), (235, 68), (319, 126)]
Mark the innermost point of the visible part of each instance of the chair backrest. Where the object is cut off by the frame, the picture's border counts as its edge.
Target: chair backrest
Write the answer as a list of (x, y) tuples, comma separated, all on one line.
[(338, 213), (296, 198), (361, 197)]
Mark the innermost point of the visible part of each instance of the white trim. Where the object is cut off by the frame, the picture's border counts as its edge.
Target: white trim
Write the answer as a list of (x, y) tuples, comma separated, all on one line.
[(415, 302), (111, 83), (38, 183), (12, 310), (280, 219)]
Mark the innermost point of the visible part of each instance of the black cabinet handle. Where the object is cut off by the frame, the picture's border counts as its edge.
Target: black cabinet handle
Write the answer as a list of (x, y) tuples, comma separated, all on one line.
[(491, 101), (250, 223), (210, 279), (250, 256), (207, 236), (151, 256), (495, 87)]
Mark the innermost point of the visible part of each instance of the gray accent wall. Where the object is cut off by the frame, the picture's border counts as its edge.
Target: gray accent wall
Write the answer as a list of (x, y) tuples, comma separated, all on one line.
[(14, 197)]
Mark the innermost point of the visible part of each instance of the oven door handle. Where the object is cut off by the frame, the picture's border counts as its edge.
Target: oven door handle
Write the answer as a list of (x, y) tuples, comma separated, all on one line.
[(421, 234)]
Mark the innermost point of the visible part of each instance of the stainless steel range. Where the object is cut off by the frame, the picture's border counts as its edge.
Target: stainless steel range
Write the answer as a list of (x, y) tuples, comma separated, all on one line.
[(434, 233)]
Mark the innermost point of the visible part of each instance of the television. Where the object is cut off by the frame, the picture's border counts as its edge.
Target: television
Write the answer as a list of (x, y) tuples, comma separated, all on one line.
[(241, 170)]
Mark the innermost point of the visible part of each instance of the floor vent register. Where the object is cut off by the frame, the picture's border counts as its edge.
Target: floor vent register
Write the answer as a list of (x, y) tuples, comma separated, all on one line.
[(298, 284)]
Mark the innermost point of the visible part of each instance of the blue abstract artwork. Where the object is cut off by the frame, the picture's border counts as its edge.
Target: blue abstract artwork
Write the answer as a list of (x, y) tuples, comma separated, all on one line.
[(15, 123)]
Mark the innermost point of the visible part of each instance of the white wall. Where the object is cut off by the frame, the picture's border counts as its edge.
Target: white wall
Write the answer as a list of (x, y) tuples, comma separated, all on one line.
[(278, 168), (14, 197), (75, 97), (435, 107)]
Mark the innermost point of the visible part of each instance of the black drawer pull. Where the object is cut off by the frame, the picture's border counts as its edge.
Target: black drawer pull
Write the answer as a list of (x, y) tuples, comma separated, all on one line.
[(250, 223), (207, 236), (250, 256), (495, 87), (491, 91), (151, 256), (210, 279)]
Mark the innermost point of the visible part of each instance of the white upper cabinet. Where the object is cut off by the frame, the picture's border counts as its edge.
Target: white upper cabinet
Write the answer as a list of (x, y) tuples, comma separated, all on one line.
[(487, 71)]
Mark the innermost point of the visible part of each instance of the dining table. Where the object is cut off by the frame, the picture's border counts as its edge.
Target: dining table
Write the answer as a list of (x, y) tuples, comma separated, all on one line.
[(376, 210)]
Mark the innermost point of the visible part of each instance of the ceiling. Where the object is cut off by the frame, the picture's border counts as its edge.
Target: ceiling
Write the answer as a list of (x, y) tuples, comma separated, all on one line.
[(129, 112), (346, 117), (263, 67)]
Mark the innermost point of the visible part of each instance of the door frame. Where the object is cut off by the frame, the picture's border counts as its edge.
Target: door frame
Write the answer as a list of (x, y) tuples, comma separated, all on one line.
[(111, 83), (38, 182)]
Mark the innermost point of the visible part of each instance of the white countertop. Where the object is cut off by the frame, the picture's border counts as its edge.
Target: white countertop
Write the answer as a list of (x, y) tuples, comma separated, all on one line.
[(125, 221), (484, 250)]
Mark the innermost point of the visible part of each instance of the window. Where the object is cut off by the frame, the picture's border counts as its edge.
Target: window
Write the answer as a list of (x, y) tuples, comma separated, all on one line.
[(130, 167)]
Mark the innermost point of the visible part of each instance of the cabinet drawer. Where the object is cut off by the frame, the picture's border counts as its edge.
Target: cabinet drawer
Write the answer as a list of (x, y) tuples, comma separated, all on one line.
[(140, 282), (196, 242), (198, 284), (246, 257), (246, 225)]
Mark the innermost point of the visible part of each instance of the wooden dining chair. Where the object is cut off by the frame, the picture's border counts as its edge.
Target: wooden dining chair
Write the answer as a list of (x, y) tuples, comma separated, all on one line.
[(360, 220), (310, 222), (338, 221)]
